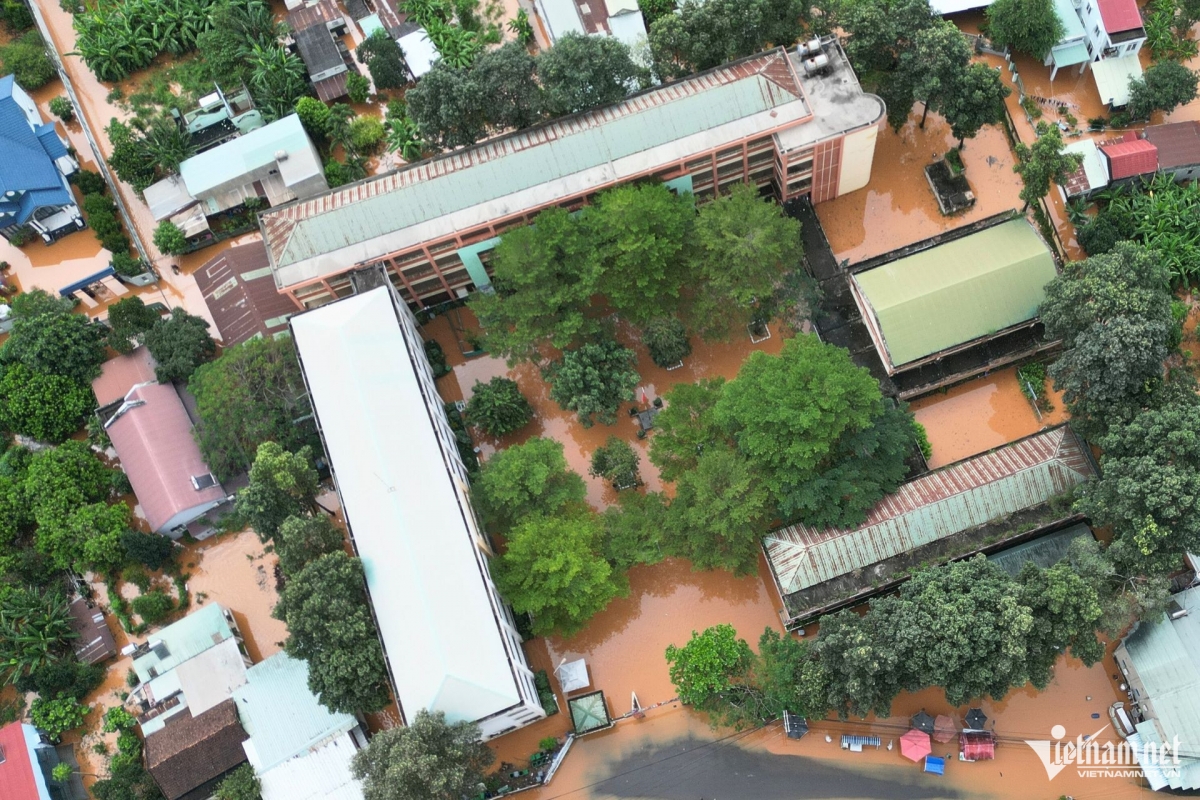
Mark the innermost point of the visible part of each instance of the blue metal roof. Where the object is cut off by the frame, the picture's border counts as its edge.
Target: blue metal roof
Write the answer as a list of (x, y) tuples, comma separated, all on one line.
[(27, 160)]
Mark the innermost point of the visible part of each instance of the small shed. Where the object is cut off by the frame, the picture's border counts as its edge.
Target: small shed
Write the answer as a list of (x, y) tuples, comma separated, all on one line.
[(1130, 158), (589, 713), (978, 746), (1112, 77), (419, 52), (95, 642)]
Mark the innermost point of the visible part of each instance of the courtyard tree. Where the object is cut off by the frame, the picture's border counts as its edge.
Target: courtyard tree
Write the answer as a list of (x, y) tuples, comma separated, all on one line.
[(720, 513), (616, 462), (746, 245), (329, 625), (498, 407), (384, 60), (128, 320), (555, 571), (282, 484), (582, 72), (667, 340), (86, 538), (593, 380), (301, 540), (976, 100), (448, 107), (48, 338), (1044, 163), (1027, 26), (686, 426), (526, 480), (1112, 313), (506, 77), (641, 234), (711, 664), (1066, 611), (634, 529), (937, 60), (545, 275), (48, 408), (179, 343), (1165, 86), (428, 759)]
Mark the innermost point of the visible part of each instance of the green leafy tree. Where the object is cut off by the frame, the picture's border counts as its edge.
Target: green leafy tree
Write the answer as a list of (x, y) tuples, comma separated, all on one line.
[(555, 571), (63, 478), (667, 340), (88, 537), (653, 9), (128, 320), (616, 462), (937, 60), (641, 234), (366, 135), (56, 716), (545, 275), (448, 107), (1165, 86), (329, 624), (35, 632), (521, 27), (593, 380), (241, 784), (127, 780), (1147, 490), (428, 759), (1027, 26), (791, 415), (282, 485), (498, 407), (526, 480), (1066, 612), (1113, 315), (27, 61), (720, 513), (314, 116), (582, 72), (634, 530), (708, 33), (337, 125), (384, 61), (506, 76), (150, 549), (253, 393), (746, 246), (277, 78), (128, 158), (179, 343), (48, 408), (302, 540), (977, 99), (47, 338), (1044, 163), (686, 426), (879, 32), (61, 107), (153, 606), (358, 88), (66, 676), (712, 663)]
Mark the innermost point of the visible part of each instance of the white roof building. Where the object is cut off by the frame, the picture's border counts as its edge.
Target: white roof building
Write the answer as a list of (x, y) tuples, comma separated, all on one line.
[(449, 639)]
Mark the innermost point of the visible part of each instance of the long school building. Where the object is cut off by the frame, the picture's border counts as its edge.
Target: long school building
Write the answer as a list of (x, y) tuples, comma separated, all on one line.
[(793, 126)]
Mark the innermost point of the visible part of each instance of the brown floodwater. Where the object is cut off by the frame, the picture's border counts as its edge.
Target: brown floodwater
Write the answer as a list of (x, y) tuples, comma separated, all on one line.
[(707, 360), (981, 414)]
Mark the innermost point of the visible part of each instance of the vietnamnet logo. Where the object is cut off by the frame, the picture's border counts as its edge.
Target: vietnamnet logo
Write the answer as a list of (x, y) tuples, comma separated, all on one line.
[(1094, 759)]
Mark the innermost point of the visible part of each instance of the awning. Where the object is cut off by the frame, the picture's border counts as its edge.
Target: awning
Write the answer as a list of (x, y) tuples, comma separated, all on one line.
[(1067, 55), (1112, 77)]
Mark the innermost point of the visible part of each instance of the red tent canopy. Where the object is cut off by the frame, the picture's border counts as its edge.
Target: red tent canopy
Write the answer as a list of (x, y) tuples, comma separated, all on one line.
[(915, 745), (979, 745)]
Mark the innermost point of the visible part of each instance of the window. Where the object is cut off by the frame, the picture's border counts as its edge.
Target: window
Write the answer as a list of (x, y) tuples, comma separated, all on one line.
[(204, 481), (1089, 8), (1096, 30)]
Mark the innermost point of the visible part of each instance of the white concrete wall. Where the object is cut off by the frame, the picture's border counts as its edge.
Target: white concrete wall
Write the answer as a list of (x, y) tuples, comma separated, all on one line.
[(1097, 36), (858, 154)]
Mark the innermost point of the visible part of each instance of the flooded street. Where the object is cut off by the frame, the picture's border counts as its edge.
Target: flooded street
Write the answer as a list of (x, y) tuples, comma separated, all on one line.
[(981, 414)]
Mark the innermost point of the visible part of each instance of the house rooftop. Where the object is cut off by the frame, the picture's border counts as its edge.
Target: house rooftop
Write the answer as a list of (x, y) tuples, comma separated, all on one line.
[(955, 292), (20, 776), (1130, 158), (231, 161), (1178, 143), (119, 375), (1092, 173), (28, 167), (512, 174), (241, 296), (152, 435), (192, 752), (1119, 15), (180, 641), (95, 642), (942, 503)]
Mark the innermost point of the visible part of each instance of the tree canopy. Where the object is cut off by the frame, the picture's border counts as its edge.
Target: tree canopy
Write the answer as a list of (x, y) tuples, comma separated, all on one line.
[(47, 338), (129, 319), (707, 33), (581, 72), (1165, 86), (1027, 26), (593, 380), (526, 480), (384, 60), (282, 485), (1044, 163), (179, 343), (302, 540), (428, 759), (498, 407), (48, 408), (720, 512)]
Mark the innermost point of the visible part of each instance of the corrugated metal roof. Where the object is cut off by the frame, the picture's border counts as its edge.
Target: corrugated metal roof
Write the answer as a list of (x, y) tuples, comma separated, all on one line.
[(958, 291), (1112, 76), (1178, 143), (241, 295), (1166, 655), (284, 719), (1119, 15), (323, 774), (1126, 159), (527, 159), (182, 640), (1045, 551), (241, 156), (942, 503), (19, 776)]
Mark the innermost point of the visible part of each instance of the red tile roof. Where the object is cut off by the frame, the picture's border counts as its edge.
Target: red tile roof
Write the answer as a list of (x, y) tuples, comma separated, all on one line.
[(154, 441), (1178, 143), (240, 293), (120, 374), (1119, 15), (16, 772), (1127, 159)]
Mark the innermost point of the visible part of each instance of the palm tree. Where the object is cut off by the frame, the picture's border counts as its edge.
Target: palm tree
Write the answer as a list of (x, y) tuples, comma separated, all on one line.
[(34, 631)]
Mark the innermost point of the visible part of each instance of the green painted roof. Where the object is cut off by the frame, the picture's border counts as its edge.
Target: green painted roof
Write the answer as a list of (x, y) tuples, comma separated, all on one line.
[(281, 715), (589, 713), (183, 640), (939, 504), (959, 291), (1166, 656), (1045, 551)]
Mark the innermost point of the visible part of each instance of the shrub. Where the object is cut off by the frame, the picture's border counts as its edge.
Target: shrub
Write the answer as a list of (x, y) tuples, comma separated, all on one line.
[(169, 238), (437, 358), (153, 607), (17, 15), (667, 341), (137, 575), (616, 462), (923, 440), (358, 87), (57, 716), (66, 677), (125, 264), (118, 719), (89, 182), (498, 407), (61, 108), (366, 134), (150, 549), (27, 60)]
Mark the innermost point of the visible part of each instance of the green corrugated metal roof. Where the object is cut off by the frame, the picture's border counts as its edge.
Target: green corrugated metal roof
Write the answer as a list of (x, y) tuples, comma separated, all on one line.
[(281, 715), (958, 291), (511, 172), (185, 639), (243, 155), (1166, 656), (1072, 25), (1068, 55), (1045, 551)]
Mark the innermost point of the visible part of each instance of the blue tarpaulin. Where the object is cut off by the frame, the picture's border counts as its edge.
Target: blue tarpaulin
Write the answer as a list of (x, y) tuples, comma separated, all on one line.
[(935, 765)]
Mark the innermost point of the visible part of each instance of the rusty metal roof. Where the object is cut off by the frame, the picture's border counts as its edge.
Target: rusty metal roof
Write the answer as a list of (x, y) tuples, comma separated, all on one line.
[(955, 498), (241, 296)]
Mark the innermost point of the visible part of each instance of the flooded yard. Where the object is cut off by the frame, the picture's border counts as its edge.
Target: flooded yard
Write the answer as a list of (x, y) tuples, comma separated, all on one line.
[(980, 414)]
